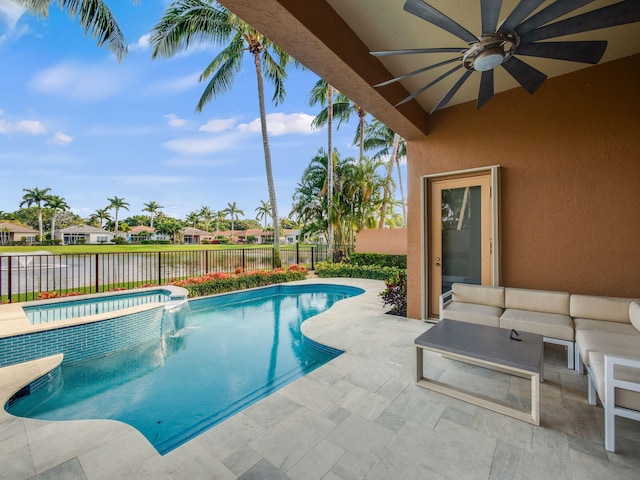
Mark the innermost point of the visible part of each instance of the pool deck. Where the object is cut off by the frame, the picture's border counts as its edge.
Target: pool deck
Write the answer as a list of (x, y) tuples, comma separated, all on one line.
[(358, 417)]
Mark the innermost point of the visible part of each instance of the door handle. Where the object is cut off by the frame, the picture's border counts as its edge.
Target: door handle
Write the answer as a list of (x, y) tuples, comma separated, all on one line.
[(437, 261)]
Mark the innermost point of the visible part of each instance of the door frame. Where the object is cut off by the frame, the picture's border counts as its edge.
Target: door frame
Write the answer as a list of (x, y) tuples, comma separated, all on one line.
[(494, 173)]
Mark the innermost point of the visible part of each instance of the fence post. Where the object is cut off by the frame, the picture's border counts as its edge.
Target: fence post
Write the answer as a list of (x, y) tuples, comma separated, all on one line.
[(243, 259), (298, 253), (159, 268), (9, 275), (97, 273), (312, 265)]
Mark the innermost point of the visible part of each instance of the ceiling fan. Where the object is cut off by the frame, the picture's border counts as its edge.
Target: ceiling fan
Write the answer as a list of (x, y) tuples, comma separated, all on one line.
[(519, 34)]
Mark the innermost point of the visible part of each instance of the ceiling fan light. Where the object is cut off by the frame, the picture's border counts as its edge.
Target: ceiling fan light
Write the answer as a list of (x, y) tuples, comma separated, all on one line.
[(488, 59)]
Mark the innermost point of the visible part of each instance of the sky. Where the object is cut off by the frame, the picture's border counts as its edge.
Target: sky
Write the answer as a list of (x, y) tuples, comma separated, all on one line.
[(75, 120)]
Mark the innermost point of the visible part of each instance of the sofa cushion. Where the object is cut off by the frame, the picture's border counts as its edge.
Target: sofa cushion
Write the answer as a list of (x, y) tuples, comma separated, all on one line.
[(604, 326), (473, 313), (543, 301), (588, 341), (624, 398), (634, 314), (545, 324), (611, 309), (480, 294)]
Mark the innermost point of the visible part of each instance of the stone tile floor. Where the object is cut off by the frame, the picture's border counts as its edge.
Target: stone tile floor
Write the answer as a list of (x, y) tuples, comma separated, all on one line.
[(358, 417)]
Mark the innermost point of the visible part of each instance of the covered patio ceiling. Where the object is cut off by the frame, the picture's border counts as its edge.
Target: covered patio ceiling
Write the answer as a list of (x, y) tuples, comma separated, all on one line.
[(334, 38)]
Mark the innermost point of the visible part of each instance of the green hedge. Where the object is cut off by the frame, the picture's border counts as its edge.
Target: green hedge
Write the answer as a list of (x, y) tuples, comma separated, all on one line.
[(375, 272), (211, 286), (379, 259)]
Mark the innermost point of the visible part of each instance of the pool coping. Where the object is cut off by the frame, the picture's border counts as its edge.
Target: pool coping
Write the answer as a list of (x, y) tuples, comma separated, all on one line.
[(14, 321)]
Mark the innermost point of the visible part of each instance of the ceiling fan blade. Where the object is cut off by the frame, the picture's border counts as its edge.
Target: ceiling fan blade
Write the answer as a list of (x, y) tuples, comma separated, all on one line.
[(411, 51), (429, 85), (522, 11), (486, 88), (553, 11), (627, 11), (527, 76), (490, 10), (439, 19), (415, 72), (583, 52), (452, 91)]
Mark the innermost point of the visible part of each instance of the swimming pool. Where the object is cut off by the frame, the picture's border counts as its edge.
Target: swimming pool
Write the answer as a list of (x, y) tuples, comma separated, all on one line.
[(233, 350), (61, 310)]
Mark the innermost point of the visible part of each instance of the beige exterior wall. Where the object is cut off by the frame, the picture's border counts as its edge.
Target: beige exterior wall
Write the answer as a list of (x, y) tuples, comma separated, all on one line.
[(570, 180), (392, 241)]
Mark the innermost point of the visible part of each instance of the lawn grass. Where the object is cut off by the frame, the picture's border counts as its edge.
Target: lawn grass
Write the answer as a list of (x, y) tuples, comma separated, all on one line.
[(128, 248)]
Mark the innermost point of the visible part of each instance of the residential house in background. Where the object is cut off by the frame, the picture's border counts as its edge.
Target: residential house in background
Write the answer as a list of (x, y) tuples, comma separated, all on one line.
[(191, 235), (83, 235), (13, 232), (143, 232)]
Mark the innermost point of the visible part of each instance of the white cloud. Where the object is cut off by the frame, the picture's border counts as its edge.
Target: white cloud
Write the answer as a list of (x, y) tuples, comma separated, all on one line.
[(175, 121), (140, 45), (60, 138), (80, 81), (10, 12), (218, 125), (282, 124), (152, 179), (32, 127), (202, 145), (183, 162), (172, 86)]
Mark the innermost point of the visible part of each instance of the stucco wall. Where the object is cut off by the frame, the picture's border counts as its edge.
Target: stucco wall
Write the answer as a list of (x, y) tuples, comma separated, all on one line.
[(570, 179), (392, 241)]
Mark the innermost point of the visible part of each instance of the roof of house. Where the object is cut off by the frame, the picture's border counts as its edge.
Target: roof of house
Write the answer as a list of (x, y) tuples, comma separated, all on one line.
[(142, 228), (85, 229), (16, 228), (196, 231)]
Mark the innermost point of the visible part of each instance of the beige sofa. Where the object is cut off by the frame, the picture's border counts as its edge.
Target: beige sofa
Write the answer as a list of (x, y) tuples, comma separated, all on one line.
[(600, 333), (534, 311)]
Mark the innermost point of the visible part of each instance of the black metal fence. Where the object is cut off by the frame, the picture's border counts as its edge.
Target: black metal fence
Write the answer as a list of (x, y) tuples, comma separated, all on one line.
[(26, 277)]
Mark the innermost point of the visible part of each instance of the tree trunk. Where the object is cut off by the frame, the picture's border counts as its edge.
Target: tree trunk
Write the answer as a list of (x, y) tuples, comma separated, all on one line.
[(404, 203), (267, 159), (330, 233), (40, 227), (387, 186)]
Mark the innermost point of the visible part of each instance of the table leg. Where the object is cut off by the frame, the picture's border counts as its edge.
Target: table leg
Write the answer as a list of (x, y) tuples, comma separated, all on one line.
[(419, 364)]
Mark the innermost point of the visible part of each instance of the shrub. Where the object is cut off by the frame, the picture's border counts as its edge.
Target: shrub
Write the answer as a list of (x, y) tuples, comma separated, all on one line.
[(325, 269), (395, 294), (379, 259), (213, 283)]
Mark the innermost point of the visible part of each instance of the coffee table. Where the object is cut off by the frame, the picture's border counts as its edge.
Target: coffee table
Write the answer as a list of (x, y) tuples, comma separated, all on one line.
[(488, 347)]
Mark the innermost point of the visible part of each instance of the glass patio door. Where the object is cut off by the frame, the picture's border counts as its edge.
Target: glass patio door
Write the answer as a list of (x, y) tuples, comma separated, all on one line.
[(460, 234)]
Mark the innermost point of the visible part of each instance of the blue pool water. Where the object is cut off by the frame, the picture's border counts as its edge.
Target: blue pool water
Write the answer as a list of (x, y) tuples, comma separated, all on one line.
[(233, 350), (81, 308)]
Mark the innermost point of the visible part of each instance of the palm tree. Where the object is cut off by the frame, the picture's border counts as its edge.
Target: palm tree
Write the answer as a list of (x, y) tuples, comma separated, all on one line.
[(219, 216), (193, 218), (153, 208), (55, 203), (388, 144), (117, 203), (36, 196), (206, 215), (201, 21), (232, 210), (94, 17), (101, 214), (263, 212), (322, 93)]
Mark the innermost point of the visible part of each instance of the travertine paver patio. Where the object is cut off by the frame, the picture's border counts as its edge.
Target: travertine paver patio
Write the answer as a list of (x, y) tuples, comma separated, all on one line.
[(360, 416)]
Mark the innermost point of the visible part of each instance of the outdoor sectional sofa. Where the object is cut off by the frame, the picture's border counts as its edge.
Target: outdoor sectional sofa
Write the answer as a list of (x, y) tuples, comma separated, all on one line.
[(600, 333)]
